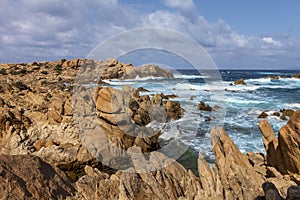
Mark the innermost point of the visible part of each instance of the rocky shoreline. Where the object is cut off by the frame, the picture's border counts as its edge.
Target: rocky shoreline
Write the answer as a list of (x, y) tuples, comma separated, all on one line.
[(45, 156)]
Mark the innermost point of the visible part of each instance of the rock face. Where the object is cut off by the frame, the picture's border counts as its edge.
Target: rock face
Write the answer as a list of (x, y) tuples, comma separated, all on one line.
[(154, 70), (118, 70), (283, 152), (28, 177), (230, 170), (115, 109)]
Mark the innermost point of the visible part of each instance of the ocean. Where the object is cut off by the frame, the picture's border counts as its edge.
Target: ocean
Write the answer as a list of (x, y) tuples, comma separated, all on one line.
[(237, 108)]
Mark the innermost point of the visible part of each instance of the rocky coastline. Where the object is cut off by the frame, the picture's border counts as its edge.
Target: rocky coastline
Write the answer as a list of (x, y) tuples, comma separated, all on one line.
[(43, 155)]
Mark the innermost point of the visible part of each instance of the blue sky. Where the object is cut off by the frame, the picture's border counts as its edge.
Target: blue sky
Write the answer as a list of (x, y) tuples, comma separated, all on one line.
[(236, 34)]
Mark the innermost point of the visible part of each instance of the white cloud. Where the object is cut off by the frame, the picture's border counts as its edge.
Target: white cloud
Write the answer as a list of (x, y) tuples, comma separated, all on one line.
[(270, 40), (53, 29), (180, 4)]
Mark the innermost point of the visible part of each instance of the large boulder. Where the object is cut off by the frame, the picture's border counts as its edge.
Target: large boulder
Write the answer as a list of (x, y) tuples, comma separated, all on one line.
[(28, 177), (155, 71)]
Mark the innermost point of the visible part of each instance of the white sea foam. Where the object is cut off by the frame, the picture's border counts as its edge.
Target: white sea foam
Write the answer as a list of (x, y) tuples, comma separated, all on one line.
[(243, 88), (258, 80), (236, 100), (138, 78), (182, 76), (291, 105)]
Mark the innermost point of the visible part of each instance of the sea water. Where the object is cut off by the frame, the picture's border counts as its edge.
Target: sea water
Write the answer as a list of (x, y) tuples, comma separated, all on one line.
[(241, 105)]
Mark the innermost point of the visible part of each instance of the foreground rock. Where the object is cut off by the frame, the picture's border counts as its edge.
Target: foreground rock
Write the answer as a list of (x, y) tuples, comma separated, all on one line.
[(28, 177), (283, 152)]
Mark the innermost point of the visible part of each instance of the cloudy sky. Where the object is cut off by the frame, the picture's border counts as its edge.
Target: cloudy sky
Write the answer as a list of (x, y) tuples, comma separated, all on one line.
[(236, 34)]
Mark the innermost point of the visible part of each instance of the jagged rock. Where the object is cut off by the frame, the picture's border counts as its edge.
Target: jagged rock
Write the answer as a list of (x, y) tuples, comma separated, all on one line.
[(160, 177), (113, 108), (204, 106), (118, 70), (130, 72), (233, 165), (287, 112), (154, 70), (283, 153), (28, 177), (240, 82), (173, 109), (263, 115)]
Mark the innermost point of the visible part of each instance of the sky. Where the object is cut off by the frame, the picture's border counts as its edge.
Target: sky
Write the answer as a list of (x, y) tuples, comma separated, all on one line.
[(236, 34)]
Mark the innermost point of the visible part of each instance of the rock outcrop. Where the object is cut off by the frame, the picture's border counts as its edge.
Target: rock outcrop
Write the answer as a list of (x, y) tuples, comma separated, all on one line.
[(239, 82), (155, 71), (39, 117), (118, 70), (283, 152)]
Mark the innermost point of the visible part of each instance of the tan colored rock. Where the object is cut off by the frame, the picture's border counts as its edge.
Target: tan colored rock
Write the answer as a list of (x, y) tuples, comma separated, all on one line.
[(263, 115), (289, 142), (32, 178), (107, 100), (233, 167), (240, 82), (130, 72), (174, 110), (155, 71), (54, 117), (283, 153), (287, 112)]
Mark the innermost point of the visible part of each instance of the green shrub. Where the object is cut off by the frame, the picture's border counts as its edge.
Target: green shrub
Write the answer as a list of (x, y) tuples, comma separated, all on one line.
[(3, 71), (58, 69), (44, 72)]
